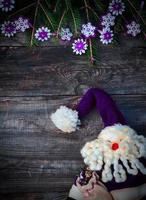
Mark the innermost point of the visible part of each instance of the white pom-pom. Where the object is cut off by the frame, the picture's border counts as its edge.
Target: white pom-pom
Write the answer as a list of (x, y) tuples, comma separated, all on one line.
[(66, 119)]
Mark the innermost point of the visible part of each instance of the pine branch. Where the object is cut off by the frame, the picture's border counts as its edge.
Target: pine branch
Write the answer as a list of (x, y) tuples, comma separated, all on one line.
[(68, 4), (134, 16), (34, 21), (137, 12), (47, 16), (59, 26), (92, 10), (86, 7), (22, 9), (91, 51), (90, 41), (99, 5), (56, 5), (74, 20), (47, 4)]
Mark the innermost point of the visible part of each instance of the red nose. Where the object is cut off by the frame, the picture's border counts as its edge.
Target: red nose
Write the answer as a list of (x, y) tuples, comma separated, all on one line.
[(115, 146)]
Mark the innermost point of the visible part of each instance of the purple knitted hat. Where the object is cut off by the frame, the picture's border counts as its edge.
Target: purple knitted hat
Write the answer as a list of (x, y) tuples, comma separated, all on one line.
[(117, 144), (68, 120), (104, 104)]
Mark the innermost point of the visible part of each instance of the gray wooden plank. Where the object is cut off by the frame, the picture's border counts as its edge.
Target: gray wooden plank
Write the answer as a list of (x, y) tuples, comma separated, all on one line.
[(34, 196), (23, 39), (26, 175), (56, 71), (20, 39)]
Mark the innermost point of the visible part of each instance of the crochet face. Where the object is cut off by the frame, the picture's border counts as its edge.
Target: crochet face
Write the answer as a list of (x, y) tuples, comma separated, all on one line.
[(115, 143)]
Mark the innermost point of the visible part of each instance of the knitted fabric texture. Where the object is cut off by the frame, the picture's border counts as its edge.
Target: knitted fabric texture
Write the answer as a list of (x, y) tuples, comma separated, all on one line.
[(117, 147)]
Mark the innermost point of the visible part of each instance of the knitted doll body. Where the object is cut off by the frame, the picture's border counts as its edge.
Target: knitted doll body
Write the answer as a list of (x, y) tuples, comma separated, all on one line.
[(118, 153), (121, 167), (131, 180)]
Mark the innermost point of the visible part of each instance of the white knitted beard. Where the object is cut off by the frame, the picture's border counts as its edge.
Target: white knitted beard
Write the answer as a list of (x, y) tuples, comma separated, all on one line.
[(99, 155)]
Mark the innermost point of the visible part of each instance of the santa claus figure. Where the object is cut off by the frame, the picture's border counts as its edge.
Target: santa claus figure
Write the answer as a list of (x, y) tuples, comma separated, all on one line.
[(115, 164)]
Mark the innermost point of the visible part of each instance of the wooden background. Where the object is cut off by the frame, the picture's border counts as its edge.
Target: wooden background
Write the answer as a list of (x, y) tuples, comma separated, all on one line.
[(37, 161)]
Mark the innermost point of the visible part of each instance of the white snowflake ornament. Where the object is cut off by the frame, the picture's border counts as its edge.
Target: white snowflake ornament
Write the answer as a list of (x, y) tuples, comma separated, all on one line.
[(108, 20), (133, 28), (22, 24), (88, 30), (65, 34)]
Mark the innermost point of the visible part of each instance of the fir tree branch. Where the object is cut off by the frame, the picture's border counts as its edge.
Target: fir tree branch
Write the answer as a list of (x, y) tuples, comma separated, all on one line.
[(91, 51), (121, 25), (98, 5), (68, 4), (136, 20), (58, 29), (137, 12), (93, 11), (90, 42), (26, 7), (86, 7), (55, 7), (47, 4), (75, 25), (34, 21), (48, 18)]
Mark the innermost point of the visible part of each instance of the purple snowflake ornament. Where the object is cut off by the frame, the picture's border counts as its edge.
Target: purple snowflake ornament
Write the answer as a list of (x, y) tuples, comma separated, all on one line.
[(7, 5), (106, 35), (79, 46), (43, 34), (133, 28), (116, 7), (8, 28), (22, 24)]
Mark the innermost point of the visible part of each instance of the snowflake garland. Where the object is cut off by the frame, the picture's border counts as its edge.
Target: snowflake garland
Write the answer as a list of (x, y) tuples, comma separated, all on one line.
[(108, 20), (106, 35), (22, 24), (79, 46), (43, 34), (8, 28), (7, 5), (88, 30), (65, 34), (133, 28), (116, 7)]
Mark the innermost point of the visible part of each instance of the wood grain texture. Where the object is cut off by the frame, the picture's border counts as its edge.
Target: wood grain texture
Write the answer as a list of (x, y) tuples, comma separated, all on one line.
[(35, 196), (38, 71), (22, 39)]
